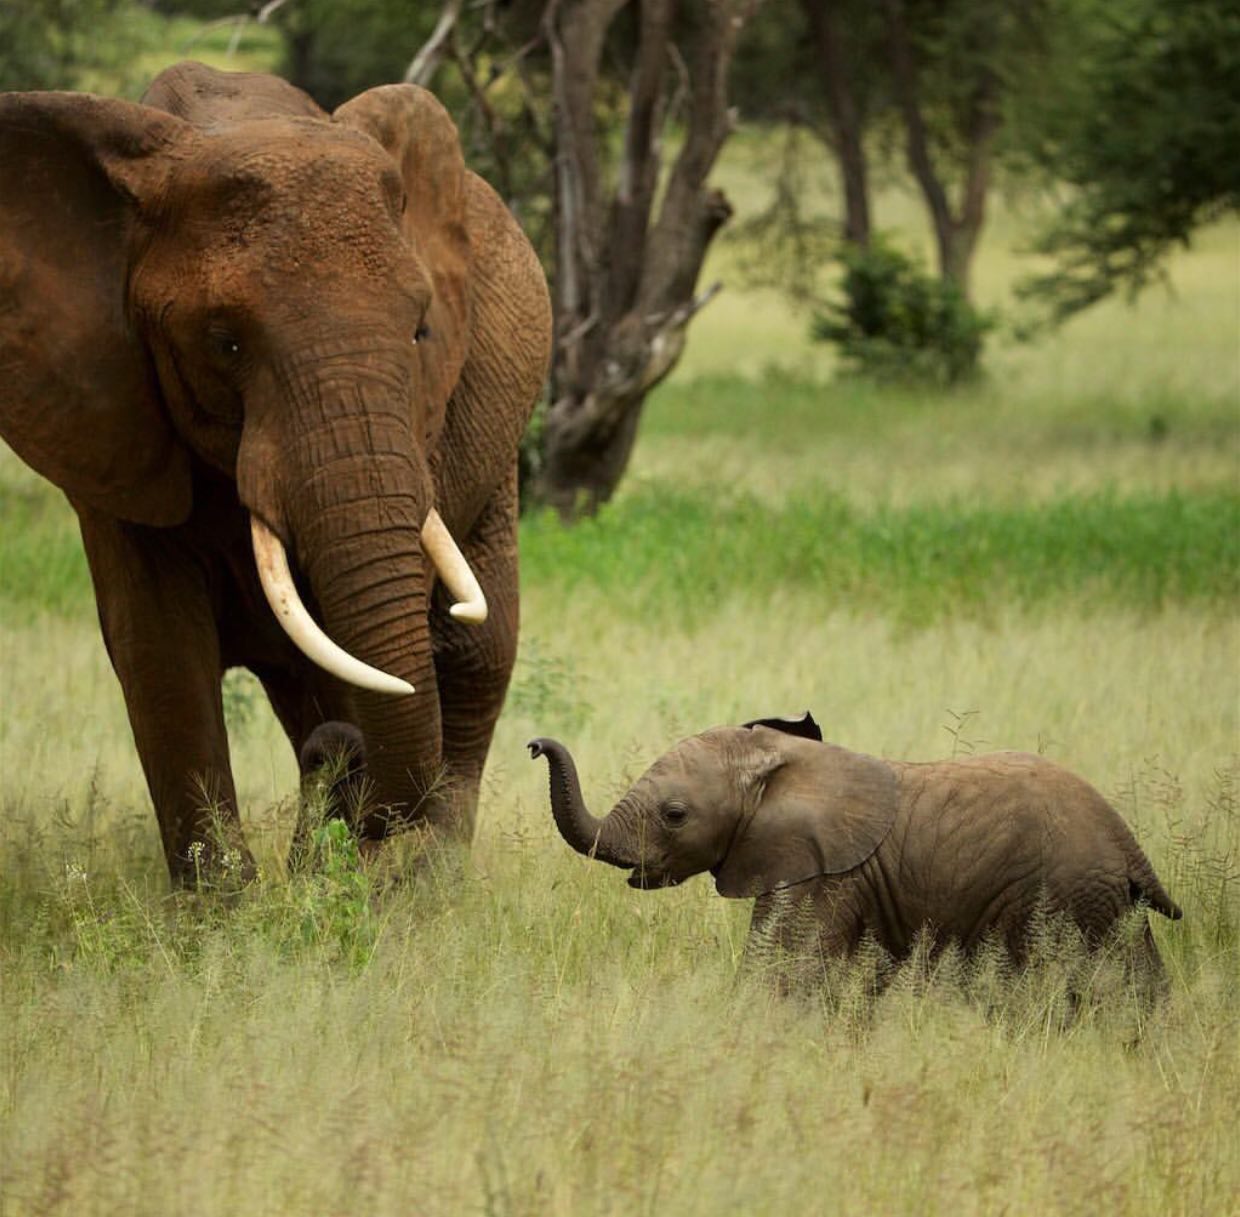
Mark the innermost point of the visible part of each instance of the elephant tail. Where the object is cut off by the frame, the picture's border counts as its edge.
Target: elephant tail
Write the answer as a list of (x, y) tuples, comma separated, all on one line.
[(1144, 886)]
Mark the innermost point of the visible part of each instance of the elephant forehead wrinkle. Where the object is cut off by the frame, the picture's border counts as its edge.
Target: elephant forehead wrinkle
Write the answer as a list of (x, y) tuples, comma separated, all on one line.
[(302, 205)]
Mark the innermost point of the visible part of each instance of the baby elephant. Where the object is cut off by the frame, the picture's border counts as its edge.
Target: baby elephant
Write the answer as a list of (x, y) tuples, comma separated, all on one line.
[(964, 849)]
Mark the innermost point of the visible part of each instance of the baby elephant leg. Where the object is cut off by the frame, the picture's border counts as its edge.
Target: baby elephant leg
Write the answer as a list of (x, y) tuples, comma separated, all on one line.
[(796, 932), (1146, 974)]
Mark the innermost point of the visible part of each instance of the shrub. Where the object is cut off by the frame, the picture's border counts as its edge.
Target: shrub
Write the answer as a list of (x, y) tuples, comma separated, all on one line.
[(898, 322)]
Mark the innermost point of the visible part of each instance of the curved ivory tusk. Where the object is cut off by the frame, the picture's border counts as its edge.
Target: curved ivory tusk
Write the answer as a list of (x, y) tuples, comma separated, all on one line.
[(450, 564), (291, 613)]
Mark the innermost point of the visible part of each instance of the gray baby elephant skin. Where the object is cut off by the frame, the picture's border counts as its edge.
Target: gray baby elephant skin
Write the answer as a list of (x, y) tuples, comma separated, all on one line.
[(963, 849)]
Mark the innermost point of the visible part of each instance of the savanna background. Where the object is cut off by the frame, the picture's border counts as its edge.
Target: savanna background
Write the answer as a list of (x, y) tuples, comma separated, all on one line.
[(1046, 557)]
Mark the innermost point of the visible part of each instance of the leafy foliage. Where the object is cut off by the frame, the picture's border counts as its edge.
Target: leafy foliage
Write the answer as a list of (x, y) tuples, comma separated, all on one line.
[(335, 51), (1144, 135), (898, 322), (45, 44)]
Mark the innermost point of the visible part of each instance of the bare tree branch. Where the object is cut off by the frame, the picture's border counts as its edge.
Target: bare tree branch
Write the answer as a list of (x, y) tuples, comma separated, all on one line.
[(917, 141), (423, 65), (268, 10), (687, 212), (639, 164)]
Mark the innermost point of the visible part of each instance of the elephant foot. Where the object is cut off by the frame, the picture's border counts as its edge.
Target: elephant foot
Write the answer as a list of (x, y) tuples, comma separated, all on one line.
[(217, 861)]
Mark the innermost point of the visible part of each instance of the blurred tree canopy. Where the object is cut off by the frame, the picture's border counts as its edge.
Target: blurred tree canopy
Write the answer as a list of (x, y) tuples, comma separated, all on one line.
[(933, 83), (599, 122), (1143, 132), (336, 50), (44, 44)]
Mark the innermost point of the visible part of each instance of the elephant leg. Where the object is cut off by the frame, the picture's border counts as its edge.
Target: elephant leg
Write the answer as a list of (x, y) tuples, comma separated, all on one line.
[(474, 663), (795, 932), (155, 611)]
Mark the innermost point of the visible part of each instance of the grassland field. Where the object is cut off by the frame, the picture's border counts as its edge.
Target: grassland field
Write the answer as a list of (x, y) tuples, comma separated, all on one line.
[(1049, 560)]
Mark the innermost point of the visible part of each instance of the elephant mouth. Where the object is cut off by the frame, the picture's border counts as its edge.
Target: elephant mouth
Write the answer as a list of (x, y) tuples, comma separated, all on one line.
[(646, 879)]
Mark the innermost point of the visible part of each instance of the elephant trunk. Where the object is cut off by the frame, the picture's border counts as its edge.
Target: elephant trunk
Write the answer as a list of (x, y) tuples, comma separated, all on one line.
[(609, 839), (357, 525), (347, 489)]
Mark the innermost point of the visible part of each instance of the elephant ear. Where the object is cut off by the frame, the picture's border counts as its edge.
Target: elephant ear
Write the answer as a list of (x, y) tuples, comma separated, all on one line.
[(420, 136), (820, 810), (78, 399), (802, 725)]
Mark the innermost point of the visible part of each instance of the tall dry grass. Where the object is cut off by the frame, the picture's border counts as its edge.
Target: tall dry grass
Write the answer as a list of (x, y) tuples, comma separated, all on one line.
[(533, 1037)]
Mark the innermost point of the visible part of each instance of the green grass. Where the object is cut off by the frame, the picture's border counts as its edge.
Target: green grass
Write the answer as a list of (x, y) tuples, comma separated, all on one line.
[(42, 566), (672, 555), (539, 1040), (1046, 562)]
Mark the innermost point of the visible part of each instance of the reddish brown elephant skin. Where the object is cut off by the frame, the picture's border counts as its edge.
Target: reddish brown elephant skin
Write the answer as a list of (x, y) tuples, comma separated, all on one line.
[(224, 303), (837, 845)]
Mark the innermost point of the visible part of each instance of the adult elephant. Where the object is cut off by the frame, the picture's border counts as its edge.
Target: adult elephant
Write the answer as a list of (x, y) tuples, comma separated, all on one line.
[(277, 359)]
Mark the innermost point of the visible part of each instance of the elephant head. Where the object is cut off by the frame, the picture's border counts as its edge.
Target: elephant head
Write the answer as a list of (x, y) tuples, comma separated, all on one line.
[(762, 806), (261, 293)]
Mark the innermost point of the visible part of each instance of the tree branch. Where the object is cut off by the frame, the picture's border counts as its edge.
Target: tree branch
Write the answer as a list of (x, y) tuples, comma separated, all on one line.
[(904, 73), (844, 118), (425, 63), (639, 165), (686, 212)]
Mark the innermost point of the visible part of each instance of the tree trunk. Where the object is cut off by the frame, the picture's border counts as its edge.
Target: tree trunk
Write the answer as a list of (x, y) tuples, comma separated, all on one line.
[(625, 278), (956, 233), (845, 119)]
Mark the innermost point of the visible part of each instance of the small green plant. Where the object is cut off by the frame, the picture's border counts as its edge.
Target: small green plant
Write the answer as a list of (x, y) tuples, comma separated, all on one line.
[(334, 895), (897, 322)]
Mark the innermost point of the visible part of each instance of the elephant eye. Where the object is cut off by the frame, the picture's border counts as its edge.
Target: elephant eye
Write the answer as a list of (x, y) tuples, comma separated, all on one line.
[(423, 331), (223, 344), (674, 814)]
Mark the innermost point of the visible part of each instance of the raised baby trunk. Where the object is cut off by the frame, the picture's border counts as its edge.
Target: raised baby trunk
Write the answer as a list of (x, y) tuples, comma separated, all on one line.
[(614, 838)]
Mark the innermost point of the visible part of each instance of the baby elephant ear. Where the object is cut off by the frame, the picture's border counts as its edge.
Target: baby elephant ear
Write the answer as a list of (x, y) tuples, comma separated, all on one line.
[(420, 136), (802, 725), (78, 400), (823, 811)]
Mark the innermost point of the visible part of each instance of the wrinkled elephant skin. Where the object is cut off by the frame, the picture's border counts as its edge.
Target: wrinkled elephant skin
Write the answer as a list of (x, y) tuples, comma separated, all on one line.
[(235, 325), (965, 849)]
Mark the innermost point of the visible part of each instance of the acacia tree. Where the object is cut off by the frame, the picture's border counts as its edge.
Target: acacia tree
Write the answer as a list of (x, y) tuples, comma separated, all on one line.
[(934, 78), (1143, 129), (839, 36)]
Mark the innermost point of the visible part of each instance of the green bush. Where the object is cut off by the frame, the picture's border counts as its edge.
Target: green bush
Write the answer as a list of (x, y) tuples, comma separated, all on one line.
[(897, 322)]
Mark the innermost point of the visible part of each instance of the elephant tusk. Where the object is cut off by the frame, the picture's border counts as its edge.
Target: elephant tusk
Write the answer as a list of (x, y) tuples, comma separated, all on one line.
[(450, 565), (291, 613)]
